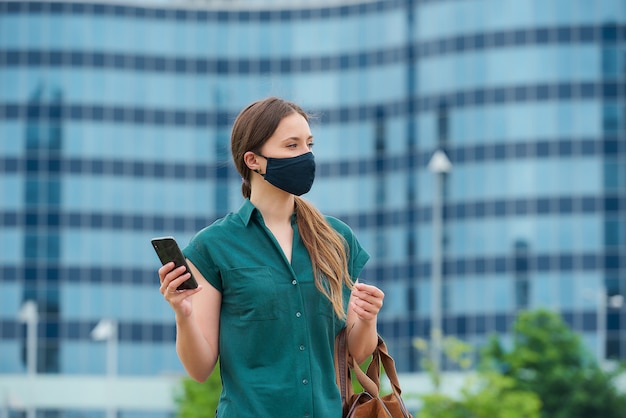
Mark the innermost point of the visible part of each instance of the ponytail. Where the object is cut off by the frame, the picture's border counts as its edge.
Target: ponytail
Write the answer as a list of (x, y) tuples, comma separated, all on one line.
[(246, 190), (328, 252)]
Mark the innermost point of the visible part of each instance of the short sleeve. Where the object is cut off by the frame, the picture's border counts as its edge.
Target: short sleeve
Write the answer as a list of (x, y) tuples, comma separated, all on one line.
[(197, 251)]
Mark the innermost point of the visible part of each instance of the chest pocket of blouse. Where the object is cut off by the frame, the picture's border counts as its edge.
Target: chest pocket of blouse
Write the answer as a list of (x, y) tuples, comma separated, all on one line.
[(250, 293), (325, 307)]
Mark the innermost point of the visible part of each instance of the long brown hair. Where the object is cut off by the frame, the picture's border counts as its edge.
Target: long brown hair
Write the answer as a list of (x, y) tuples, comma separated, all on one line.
[(328, 250)]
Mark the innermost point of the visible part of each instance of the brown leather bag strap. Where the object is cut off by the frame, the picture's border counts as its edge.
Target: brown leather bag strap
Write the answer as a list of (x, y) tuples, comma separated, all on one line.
[(390, 366), (371, 380), (369, 384), (342, 365), (373, 369)]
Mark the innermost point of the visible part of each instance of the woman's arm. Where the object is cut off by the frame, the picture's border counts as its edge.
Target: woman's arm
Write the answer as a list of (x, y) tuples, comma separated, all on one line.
[(365, 303), (197, 320)]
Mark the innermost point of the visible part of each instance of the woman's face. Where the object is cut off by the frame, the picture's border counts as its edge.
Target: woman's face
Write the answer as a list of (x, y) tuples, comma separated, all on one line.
[(291, 138)]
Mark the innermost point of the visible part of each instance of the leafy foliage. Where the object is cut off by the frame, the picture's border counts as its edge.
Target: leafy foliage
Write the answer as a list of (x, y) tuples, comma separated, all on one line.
[(486, 394), (199, 400), (548, 359)]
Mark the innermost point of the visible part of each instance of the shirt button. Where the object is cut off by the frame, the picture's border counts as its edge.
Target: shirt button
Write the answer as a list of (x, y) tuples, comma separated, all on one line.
[(302, 348), (294, 282), (298, 314), (306, 415), (305, 381)]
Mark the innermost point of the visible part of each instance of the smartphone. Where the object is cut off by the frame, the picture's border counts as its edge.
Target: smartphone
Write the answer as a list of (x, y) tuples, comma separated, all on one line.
[(168, 250)]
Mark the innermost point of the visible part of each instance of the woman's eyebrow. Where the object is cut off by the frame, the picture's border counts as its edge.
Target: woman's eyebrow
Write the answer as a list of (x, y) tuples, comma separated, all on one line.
[(291, 138)]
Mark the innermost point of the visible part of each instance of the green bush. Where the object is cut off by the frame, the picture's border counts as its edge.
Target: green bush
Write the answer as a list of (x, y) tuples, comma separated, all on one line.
[(548, 359), (486, 394), (199, 400)]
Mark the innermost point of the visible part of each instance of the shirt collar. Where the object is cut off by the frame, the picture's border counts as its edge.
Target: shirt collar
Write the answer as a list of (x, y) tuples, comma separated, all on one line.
[(246, 210)]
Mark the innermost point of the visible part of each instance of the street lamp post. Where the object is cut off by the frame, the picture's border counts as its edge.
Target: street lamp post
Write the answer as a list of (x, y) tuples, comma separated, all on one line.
[(439, 165), (28, 315), (106, 330)]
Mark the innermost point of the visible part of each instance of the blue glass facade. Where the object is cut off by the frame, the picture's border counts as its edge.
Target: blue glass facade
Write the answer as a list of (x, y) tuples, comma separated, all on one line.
[(527, 99), (114, 128)]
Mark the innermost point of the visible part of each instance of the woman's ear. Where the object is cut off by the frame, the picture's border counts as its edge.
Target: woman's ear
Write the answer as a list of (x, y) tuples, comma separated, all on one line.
[(252, 161)]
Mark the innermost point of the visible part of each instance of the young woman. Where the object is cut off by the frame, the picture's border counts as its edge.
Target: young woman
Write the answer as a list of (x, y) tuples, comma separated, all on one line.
[(277, 281)]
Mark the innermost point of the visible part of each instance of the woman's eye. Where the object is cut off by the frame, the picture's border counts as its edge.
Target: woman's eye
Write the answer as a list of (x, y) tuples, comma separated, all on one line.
[(310, 144)]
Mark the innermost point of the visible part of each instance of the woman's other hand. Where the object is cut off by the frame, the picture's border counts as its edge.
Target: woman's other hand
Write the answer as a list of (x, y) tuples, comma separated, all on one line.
[(366, 301)]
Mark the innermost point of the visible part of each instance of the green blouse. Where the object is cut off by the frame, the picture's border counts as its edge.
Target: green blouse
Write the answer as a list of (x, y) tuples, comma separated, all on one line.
[(277, 330)]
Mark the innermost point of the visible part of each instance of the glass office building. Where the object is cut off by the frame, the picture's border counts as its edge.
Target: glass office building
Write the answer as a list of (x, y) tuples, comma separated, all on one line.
[(114, 128)]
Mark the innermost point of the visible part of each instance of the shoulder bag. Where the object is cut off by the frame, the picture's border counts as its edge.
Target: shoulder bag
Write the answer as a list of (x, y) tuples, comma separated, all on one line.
[(369, 403)]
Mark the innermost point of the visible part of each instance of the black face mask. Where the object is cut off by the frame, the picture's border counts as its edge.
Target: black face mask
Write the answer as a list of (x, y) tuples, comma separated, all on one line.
[(294, 175)]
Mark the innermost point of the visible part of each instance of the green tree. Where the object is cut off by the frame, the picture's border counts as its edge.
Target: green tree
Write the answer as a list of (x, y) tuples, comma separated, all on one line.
[(485, 394), (199, 400), (548, 358)]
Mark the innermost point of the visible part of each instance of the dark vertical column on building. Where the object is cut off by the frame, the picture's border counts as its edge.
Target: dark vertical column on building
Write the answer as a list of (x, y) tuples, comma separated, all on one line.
[(222, 152), (522, 283), (443, 133), (380, 139), (614, 184), (42, 203), (411, 171), (411, 139), (443, 127)]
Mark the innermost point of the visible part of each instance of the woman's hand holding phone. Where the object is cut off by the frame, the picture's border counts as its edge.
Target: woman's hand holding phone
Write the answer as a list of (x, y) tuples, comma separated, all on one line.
[(171, 278), (177, 281)]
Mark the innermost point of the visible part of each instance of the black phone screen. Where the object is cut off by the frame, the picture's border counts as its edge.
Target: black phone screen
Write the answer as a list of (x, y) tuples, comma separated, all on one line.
[(168, 250)]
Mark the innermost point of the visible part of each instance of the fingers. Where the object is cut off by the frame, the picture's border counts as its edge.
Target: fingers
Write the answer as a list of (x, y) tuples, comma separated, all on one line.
[(172, 286), (367, 300), (370, 295), (172, 278), (165, 269), (369, 290), (167, 273)]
